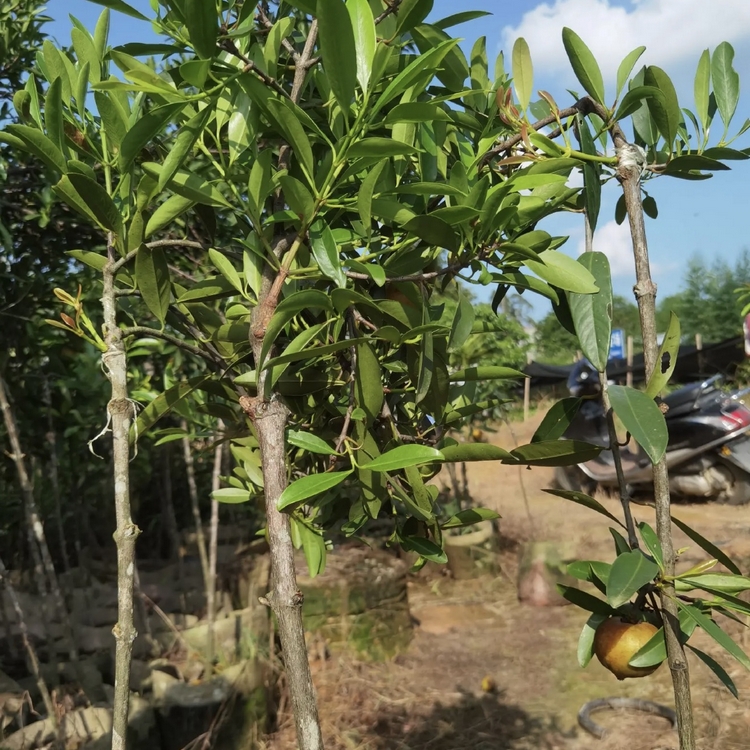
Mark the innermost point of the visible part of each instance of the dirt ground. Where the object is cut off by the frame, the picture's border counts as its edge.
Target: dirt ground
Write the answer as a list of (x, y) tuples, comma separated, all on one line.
[(432, 697)]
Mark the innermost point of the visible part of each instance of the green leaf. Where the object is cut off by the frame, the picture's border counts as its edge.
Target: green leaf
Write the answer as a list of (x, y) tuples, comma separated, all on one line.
[(202, 24), (666, 113), (701, 88), (363, 26), (523, 72), (726, 82), (366, 191), (706, 624), (564, 272), (621, 544), (633, 100), (654, 651), (413, 72), (295, 132), (183, 144), (586, 639), (469, 517), (459, 18), (588, 502), (338, 50), (308, 486), (416, 112), (164, 403), (726, 583), (314, 547), (584, 65), (121, 7), (379, 148), (668, 352), (224, 266), (626, 68), (593, 571), (555, 453), (53, 116), (433, 231), (368, 383), (557, 420), (152, 278), (298, 197), (40, 145), (462, 452), (309, 442), (486, 372), (651, 540), (585, 601), (326, 253), (96, 199), (717, 669), (592, 313), (411, 13), (642, 418), (92, 259), (425, 548), (403, 456), (287, 309), (190, 186), (592, 184), (425, 366), (691, 162), (166, 213), (146, 128), (463, 320), (231, 495), (630, 571)]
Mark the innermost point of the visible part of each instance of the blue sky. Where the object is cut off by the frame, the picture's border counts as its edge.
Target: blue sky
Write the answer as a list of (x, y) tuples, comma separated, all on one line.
[(710, 218)]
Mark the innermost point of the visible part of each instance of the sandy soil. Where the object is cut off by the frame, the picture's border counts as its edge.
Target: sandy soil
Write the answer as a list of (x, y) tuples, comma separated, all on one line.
[(432, 697)]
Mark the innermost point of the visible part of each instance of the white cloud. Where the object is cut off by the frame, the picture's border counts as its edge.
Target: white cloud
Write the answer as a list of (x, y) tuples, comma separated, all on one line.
[(613, 240), (673, 31)]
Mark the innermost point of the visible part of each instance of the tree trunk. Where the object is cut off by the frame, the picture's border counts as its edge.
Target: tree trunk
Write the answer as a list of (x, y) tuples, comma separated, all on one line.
[(35, 523), (195, 504), (213, 547), (169, 517), (33, 660), (120, 412), (54, 476)]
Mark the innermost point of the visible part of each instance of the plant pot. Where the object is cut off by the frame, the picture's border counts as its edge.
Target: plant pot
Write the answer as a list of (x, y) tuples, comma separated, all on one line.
[(472, 554)]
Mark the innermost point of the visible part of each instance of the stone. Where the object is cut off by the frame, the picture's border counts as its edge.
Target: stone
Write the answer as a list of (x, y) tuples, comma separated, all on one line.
[(542, 566)]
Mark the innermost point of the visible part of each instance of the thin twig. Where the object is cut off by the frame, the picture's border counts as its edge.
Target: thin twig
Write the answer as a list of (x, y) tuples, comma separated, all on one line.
[(393, 6), (168, 337), (118, 264), (583, 106)]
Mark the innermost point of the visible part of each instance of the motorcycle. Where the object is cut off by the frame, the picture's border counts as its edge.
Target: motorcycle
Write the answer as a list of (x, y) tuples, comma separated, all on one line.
[(708, 452)]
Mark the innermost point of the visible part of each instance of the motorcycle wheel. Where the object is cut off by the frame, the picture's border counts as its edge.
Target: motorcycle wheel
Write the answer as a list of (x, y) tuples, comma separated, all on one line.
[(572, 479), (739, 492)]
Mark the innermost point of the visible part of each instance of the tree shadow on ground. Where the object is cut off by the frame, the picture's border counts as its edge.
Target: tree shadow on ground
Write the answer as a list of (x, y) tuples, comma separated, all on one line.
[(484, 722)]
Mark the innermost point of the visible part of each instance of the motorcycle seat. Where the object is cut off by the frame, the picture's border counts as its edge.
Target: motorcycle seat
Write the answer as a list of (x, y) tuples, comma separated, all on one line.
[(683, 400)]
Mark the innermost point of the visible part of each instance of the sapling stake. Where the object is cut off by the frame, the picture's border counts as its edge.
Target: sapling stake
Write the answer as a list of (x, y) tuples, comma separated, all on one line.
[(629, 174)]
